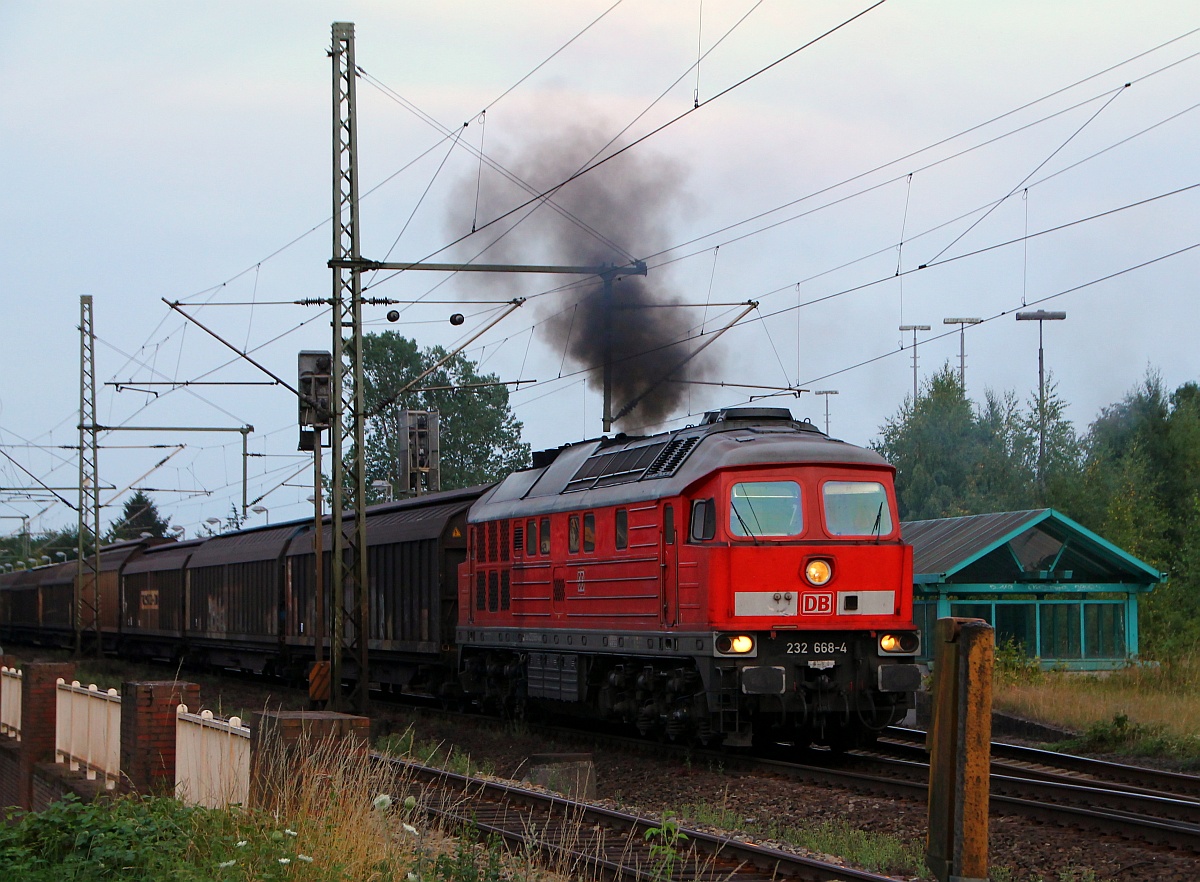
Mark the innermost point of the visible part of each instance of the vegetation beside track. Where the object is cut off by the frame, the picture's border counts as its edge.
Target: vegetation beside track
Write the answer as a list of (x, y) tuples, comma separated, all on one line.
[(1147, 710)]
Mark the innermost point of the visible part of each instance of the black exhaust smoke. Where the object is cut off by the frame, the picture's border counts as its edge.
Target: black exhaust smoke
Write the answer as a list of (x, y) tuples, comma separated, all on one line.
[(611, 217)]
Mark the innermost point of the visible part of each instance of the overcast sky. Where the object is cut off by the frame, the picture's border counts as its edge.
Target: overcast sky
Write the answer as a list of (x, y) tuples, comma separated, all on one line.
[(153, 150)]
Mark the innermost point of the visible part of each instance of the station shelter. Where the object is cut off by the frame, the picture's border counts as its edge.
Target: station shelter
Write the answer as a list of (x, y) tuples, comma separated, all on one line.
[(1062, 593)]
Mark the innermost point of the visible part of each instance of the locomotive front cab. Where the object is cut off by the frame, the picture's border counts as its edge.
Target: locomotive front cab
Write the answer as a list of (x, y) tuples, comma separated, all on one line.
[(810, 596)]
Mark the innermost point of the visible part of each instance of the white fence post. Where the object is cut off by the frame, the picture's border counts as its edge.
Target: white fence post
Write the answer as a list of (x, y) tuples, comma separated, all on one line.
[(88, 730), (10, 702), (212, 759)]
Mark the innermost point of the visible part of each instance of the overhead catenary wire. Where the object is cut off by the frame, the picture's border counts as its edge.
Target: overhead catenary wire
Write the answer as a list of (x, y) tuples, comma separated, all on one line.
[(592, 166), (1025, 240)]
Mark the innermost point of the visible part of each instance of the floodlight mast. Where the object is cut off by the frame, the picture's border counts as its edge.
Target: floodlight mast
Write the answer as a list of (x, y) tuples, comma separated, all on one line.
[(962, 346), (1041, 316), (826, 393), (914, 329)]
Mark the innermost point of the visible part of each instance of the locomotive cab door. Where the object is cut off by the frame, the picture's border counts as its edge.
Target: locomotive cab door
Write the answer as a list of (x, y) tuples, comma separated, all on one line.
[(669, 566)]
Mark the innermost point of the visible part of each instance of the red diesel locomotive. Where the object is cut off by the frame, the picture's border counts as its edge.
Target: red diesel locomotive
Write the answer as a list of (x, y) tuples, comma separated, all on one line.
[(738, 581), (742, 580)]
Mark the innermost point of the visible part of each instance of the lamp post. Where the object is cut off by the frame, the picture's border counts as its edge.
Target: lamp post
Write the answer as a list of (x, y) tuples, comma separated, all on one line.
[(262, 510), (826, 393), (914, 329), (213, 522), (1040, 316), (962, 346)]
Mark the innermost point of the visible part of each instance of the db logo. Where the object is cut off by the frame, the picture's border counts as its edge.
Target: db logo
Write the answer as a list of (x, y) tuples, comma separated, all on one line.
[(816, 604)]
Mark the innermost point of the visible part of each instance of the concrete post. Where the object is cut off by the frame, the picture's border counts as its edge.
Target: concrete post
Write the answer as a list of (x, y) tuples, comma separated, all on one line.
[(960, 751), (148, 723)]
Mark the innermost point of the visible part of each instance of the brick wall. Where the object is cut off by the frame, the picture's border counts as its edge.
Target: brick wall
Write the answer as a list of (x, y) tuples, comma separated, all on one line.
[(148, 732), (31, 779), (10, 771), (39, 718)]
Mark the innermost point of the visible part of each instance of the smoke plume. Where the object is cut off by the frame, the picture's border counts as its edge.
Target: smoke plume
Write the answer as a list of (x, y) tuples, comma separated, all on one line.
[(617, 213)]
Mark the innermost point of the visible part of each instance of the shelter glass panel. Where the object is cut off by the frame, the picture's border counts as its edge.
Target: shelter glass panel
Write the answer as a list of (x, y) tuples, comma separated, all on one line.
[(924, 617), (1060, 631), (1017, 622), (1104, 630)]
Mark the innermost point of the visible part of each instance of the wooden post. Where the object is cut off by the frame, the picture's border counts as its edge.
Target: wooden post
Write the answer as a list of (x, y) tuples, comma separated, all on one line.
[(960, 751)]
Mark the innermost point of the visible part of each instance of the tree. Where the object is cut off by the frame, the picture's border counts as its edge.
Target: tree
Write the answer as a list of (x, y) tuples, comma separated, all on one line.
[(140, 515), (480, 439), (954, 458), (950, 460), (1062, 459)]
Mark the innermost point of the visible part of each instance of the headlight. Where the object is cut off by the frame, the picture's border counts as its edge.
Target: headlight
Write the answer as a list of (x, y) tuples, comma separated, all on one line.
[(818, 571), (735, 644), (899, 643)]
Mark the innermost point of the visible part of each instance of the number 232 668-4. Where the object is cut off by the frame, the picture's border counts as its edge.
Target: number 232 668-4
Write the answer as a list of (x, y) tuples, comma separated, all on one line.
[(818, 647)]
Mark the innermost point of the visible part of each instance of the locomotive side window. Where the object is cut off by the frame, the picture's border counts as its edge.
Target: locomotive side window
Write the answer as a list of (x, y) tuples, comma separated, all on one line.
[(856, 508), (573, 534), (589, 531), (704, 520), (531, 539), (765, 508), (669, 524), (622, 528), (545, 535)]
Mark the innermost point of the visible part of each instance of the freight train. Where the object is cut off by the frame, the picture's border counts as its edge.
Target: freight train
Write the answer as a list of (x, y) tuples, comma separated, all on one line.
[(739, 581)]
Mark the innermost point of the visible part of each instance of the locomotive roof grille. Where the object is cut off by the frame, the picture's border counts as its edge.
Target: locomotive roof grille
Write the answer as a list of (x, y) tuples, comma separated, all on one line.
[(672, 457), (614, 467)]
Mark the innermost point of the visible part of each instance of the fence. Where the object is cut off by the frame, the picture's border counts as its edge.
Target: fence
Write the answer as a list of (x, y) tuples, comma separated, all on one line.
[(88, 734), (212, 759), (10, 702)]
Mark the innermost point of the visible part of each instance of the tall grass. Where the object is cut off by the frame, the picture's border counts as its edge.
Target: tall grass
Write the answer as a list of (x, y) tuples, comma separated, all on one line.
[(1143, 709)]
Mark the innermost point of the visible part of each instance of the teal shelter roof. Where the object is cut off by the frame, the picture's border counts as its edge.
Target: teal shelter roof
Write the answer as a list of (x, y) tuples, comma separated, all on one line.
[(1036, 548)]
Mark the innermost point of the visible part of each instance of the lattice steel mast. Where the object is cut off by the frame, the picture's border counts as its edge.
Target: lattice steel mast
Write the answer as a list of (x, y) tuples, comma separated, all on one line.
[(351, 624), (87, 571)]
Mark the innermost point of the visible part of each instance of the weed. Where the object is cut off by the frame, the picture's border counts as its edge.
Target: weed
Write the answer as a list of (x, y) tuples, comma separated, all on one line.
[(874, 851), (1013, 666), (665, 840)]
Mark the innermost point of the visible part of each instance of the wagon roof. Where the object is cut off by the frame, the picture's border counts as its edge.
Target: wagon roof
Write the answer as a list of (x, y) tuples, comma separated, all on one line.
[(406, 520), (172, 555), (261, 543), (608, 471)]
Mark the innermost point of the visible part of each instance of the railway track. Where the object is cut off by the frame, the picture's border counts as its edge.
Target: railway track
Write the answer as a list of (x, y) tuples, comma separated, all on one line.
[(609, 844), (1144, 805), (1135, 804)]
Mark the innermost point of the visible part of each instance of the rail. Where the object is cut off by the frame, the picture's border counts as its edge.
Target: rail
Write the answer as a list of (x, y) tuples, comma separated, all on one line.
[(10, 702), (212, 759), (88, 731)]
